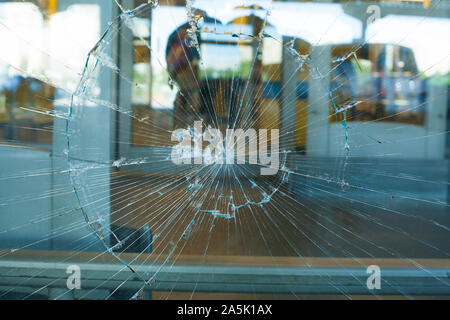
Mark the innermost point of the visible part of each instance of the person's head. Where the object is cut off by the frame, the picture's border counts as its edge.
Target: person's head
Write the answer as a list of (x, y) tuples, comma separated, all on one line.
[(181, 56)]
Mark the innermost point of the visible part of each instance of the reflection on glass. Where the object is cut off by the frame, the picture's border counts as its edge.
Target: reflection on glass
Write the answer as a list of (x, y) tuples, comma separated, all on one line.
[(361, 173), (40, 57), (382, 82)]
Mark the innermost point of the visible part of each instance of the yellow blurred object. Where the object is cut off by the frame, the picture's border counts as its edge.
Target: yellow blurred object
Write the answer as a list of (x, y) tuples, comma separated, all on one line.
[(50, 7), (425, 3), (4, 110)]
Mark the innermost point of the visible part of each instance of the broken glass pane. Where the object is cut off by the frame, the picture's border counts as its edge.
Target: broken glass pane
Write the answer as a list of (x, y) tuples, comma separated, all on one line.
[(203, 142)]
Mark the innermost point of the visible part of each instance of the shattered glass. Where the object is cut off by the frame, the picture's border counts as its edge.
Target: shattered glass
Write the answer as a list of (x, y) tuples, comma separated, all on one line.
[(361, 171)]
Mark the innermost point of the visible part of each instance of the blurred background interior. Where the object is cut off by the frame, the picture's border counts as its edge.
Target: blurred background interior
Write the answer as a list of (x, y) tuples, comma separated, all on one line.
[(388, 60)]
